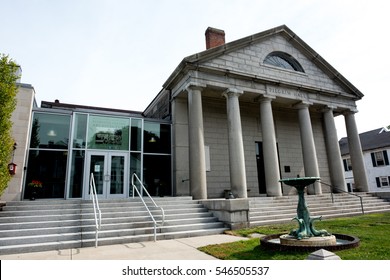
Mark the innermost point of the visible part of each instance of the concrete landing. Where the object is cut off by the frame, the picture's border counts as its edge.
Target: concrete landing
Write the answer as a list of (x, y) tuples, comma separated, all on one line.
[(174, 249)]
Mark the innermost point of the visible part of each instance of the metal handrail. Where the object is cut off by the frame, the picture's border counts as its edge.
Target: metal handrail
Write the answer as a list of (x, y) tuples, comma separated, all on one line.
[(134, 176), (96, 208), (343, 191)]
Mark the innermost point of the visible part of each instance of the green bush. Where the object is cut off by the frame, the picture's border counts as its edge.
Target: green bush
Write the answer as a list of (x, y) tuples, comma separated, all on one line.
[(8, 89)]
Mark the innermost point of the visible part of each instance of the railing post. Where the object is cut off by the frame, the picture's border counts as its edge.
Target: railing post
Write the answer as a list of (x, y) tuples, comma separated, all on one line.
[(96, 208), (332, 187), (143, 201)]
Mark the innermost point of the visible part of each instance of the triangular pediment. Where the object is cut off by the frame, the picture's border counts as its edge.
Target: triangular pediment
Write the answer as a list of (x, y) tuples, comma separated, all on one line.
[(246, 57)]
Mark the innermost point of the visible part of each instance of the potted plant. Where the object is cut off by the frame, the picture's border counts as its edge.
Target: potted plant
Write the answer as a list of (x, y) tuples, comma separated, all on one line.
[(35, 185)]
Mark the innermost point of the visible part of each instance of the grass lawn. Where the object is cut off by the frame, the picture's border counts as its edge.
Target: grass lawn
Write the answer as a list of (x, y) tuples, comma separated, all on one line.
[(373, 230)]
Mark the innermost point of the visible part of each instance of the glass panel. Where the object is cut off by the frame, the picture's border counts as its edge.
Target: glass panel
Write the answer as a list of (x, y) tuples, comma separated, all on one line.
[(283, 60), (49, 169), (117, 174), (136, 134), (50, 131), (157, 174), (135, 167), (77, 174), (79, 131), (97, 168), (279, 62), (108, 133), (157, 138)]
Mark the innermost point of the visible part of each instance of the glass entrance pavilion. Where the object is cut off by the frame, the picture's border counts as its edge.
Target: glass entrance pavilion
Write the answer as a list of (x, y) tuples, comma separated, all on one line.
[(69, 142)]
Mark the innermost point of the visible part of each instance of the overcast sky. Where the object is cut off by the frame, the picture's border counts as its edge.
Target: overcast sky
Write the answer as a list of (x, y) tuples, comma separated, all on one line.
[(118, 53)]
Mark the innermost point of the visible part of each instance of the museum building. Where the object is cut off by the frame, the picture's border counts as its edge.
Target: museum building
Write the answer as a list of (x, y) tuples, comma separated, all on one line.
[(238, 117)]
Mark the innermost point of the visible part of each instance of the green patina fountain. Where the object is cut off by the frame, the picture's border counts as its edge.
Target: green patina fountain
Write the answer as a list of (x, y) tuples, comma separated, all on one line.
[(306, 228), (306, 237)]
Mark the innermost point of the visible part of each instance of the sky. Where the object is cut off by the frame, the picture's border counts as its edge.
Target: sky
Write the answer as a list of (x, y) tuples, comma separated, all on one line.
[(118, 53)]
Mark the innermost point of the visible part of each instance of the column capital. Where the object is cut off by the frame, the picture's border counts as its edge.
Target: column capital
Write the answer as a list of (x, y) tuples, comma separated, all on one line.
[(229, 92), (302, 105), (195, 86), (264, 98), (350, 112), (327, 108)]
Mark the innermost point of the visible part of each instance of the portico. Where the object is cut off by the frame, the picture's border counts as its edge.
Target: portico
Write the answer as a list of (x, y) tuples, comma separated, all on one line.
[(247, 113), (269, 134)]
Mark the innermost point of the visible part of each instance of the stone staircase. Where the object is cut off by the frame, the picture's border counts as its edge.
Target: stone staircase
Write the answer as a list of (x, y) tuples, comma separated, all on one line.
[(269, 210), (41, 225)]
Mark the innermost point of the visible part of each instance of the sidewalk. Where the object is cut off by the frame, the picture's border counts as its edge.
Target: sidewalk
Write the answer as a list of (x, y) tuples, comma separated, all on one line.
[(174, 249)]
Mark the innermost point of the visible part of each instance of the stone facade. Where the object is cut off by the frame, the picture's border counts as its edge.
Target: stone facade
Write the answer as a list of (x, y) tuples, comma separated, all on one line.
[(290, 112), (21, 119)]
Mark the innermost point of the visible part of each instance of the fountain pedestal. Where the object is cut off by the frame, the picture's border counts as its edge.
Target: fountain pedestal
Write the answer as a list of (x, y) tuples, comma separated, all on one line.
[(306, 228)]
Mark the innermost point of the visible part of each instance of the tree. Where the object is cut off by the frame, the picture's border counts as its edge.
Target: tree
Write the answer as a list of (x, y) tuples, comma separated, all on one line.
[(8, 89)]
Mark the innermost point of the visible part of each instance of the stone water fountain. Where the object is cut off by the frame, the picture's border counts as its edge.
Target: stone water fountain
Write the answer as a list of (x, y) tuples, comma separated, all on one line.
[(306, 237)]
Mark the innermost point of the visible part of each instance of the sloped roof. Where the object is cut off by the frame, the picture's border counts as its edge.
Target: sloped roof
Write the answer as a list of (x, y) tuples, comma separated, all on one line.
[(370, 140), (192, 61)]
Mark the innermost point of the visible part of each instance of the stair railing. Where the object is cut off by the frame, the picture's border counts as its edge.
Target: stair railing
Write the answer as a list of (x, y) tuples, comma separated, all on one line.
[(343, 191), (143, 189), (96, 208)]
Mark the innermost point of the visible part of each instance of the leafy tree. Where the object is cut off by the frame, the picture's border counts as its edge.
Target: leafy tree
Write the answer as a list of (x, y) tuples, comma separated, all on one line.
[(8, 89)]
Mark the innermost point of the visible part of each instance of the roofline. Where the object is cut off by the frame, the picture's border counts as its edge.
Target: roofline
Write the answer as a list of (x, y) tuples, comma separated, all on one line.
[(285, 31), (58, 105)]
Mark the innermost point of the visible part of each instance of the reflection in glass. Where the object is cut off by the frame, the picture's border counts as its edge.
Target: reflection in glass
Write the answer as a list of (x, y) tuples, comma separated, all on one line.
[(157, 138), (108, 133), (79, 131), (50, 131)]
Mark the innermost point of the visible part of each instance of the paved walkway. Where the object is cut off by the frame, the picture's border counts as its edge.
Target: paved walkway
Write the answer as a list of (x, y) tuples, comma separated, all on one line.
[(175, 249)]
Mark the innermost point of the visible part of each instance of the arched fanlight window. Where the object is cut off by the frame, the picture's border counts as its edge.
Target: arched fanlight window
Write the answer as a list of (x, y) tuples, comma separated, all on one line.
[(283, 60)]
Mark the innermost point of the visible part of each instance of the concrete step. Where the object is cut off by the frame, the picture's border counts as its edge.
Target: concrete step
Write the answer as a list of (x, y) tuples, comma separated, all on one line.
[(39, 225), (104, 227), (91, 221), (283, 209)]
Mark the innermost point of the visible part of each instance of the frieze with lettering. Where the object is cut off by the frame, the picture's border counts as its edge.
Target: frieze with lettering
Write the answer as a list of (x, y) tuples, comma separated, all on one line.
[(288, 93)]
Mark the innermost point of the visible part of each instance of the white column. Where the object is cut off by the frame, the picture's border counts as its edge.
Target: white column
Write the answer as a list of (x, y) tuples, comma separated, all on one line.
[(236, 145), (336, 170), (308, 147), (270, 152), (355, 151), (198, 182)]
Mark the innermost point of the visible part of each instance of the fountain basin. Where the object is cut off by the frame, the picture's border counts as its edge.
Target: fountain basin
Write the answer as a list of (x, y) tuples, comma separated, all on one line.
[(299, 181), (287, 239), (343, 241)]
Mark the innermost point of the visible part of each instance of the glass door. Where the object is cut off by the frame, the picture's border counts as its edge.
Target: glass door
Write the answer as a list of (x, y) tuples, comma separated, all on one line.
[(110, 173)]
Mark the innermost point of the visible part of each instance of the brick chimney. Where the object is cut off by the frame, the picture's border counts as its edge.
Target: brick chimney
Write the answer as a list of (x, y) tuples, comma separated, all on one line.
[(214, 37)]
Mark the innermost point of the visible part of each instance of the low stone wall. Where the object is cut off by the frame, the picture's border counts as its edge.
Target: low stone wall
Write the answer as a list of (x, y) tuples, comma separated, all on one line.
[(233, 212)]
